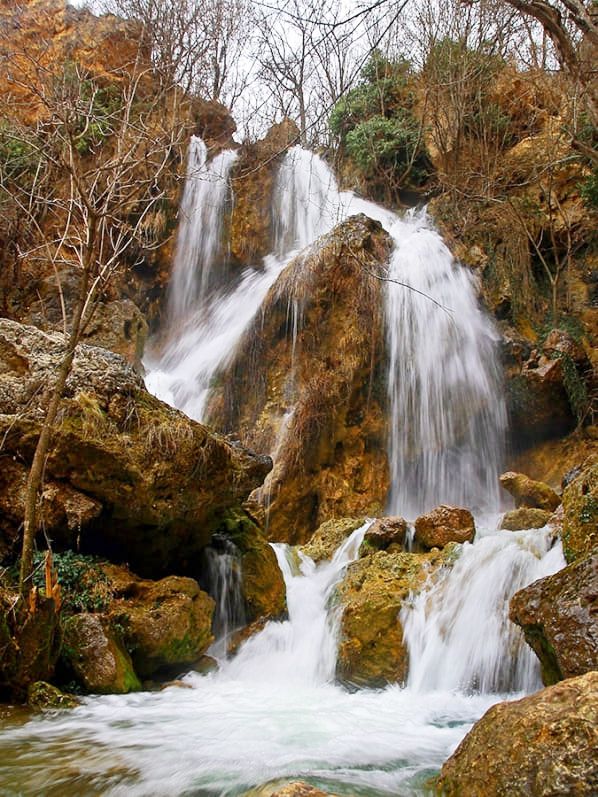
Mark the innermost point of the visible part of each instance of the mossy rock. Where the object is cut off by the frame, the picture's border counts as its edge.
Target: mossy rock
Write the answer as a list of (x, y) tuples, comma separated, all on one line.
[(329, 536), (96, 656), (580, 505), (42, 696)]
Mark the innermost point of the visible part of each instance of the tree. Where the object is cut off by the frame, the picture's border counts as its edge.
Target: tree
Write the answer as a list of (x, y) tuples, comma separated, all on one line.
[(86, 154)]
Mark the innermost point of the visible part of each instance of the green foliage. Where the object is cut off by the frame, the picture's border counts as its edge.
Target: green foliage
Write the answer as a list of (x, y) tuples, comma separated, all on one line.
[(575, 387), (380, 145), (84, 585), (589, 190), (569, 324), (18, 155)]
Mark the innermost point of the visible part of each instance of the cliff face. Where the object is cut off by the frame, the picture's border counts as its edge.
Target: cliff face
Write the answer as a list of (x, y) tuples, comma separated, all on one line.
[(307, 384)]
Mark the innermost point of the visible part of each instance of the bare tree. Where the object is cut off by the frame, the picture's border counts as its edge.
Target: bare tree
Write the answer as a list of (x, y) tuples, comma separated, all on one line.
[(97, 147)]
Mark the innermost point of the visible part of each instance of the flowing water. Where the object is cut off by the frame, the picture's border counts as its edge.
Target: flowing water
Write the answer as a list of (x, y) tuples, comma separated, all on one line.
[(274, 711)]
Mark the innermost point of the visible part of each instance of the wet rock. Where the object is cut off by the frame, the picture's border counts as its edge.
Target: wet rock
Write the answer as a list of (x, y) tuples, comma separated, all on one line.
[(559, 617), (164, 623), (42, 696), (580, 507), (329, 536), (443, 525), (164, 481), (528, 492), (544, 745), (281, 788), (525, 518), (319, 402), (96, 656), (383, 533), (372, 651)]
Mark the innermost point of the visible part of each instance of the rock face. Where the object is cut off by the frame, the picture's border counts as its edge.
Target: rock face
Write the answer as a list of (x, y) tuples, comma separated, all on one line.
[(528, 492), (559, 617), (163, 481), (384, 532), (329, 536), (318, 403), (96, 657), (580, 507), (545, 745), (525, 518), (443, 525), (371, 649)]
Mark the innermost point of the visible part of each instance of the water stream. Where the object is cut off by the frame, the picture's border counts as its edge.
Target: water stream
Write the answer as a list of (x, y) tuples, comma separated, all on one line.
[(274, 710)]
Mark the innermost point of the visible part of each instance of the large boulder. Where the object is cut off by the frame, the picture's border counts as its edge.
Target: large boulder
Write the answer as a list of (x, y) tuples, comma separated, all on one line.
[(559, 617), (580, 508), (528, 492), (97, 658), (164, 482), (319, 402), (164, 623), (444, 524), (372, 651), (383, 533), (525, 518), (544, 745)]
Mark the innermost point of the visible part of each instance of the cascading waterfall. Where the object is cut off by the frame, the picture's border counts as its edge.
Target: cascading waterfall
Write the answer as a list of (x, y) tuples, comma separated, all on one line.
[(223, 581), (274, 711), (447, 413)]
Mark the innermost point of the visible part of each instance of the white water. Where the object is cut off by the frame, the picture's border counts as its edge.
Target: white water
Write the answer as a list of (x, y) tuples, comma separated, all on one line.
[(274, 711), (223, 581)]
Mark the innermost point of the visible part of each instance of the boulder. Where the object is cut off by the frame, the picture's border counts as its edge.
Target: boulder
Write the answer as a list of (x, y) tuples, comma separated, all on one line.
[(580, 509), (329, 536), (525, 518), (544, 745), (443, 525), (528, 492), (164, 482), (383, 533), (42, 696), (372, 651), (559, 617), (319, 402), (96, 656), (164, 624)]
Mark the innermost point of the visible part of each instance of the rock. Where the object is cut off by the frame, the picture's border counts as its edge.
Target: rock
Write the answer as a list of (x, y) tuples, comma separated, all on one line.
[(29, 643), (329, 536), (262, 583), (326, 423), (280, 788), (559, 617), (164, 624), (443, 525), (525, 518), (545, 745), (580, 507), (370, 596), (384, 532), (164, 481), (528, 492), (96, 657), (42, 696)]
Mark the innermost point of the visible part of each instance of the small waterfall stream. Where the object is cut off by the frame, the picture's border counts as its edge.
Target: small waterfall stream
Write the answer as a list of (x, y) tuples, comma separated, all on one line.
[(274, 711)]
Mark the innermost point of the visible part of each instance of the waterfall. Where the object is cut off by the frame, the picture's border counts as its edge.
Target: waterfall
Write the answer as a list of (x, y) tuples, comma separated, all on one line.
[(447, 412), (458, 631), (199, 239), (223, 580)]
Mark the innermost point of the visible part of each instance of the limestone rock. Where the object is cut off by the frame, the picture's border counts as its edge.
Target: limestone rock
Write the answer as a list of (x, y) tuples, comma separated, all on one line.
[(580, 507), (96, 656), (164, 623), (525, 518), (164, 481), (559, 617), (528, 492), (372, 651), (329, 536), (327, 422), (42, 696), (384, 532), (545, 745), (443, 525)]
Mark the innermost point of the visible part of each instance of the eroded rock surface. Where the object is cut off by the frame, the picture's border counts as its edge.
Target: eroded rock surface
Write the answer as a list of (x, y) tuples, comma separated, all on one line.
[(525, 518), (163, 481), (444, 524), (559, 617), (528, 492), (580, 510), (545, 745)]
